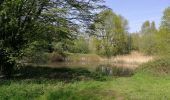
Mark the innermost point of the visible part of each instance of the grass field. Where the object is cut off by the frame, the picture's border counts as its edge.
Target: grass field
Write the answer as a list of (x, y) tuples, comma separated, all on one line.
[(151, 81)]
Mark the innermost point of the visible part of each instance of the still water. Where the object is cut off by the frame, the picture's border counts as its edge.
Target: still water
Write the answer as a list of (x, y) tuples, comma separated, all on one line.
[(105, 68)]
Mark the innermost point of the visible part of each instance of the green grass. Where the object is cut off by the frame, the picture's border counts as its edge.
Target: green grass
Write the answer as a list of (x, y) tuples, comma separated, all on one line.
[(30, 90), (150, 82)]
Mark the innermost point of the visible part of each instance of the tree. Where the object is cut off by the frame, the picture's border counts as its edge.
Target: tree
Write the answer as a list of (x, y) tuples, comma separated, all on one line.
[(80, 45), (111, 31), (153, 27), (25, 21), (148, 32), (163, 36), (135, 41), (19, 22), (145, 27), (165, 23)]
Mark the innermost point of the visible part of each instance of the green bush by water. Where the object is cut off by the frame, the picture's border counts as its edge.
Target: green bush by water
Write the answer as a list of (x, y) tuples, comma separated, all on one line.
[(160, 66)]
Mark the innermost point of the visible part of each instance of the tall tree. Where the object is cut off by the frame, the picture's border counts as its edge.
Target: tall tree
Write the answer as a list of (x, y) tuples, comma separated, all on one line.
[(145, 27), (148, 43), (153, 27), (163, 36), (25, 21), (18, 23), (165, 23), (110, 30)]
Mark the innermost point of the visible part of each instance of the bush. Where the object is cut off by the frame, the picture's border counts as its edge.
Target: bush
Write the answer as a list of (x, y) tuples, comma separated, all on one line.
[(80, 46), (160, 66), (35, 53)]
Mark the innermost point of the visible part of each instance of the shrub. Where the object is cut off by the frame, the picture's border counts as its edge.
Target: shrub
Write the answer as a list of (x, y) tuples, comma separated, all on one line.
[(160, 66)]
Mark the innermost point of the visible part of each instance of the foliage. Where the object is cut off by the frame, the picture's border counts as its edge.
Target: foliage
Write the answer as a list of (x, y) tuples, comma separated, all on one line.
[(157, 67), (163, 43), (111, 33), (156, 41), (80, 45), (35, 53), (145, 41), (148, 44), (135, 40), (165, 20), (6, 63), (23, 22)]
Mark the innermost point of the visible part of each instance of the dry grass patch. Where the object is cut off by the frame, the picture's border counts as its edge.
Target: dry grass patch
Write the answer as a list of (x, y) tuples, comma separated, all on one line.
[(132, 60)]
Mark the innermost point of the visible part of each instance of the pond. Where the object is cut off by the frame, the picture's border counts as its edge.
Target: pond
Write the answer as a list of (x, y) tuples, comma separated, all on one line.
[(104, 68)]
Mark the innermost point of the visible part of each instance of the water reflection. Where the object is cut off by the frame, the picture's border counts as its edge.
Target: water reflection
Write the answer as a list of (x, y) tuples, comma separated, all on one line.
[(108, 69), (111, 70)]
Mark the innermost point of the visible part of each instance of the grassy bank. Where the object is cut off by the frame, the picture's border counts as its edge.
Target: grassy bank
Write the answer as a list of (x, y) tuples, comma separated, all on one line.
[(151, 81)]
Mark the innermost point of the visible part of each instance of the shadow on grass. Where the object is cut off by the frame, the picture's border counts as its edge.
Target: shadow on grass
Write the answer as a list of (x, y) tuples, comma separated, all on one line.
[(59, 74), (39, 74)]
